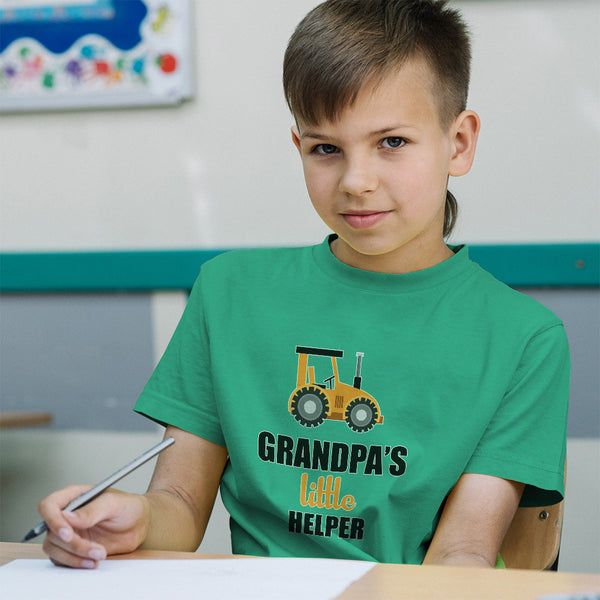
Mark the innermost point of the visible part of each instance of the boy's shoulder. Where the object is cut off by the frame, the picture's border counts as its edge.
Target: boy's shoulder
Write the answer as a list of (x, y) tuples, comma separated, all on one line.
[(251, 264), (515, 304), (255, 257)]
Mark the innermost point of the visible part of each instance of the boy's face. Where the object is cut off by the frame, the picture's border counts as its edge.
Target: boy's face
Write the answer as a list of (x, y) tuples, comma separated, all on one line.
[(377, 175)]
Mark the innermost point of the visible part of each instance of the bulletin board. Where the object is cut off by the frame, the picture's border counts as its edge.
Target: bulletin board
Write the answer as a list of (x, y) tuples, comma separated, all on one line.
[(66, 54)]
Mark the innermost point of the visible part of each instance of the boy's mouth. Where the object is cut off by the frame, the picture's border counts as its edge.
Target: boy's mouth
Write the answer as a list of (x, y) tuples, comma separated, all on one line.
[(364, 219)]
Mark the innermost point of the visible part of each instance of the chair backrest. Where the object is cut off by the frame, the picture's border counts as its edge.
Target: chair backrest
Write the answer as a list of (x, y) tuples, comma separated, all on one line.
[(533, 538)]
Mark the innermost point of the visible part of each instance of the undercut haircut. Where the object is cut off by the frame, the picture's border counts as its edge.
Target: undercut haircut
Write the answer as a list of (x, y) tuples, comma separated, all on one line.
[(343, 45)]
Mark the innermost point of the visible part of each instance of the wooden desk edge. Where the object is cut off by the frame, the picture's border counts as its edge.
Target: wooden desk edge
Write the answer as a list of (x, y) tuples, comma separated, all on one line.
[(11, 551), (387, 581), (395, 582)]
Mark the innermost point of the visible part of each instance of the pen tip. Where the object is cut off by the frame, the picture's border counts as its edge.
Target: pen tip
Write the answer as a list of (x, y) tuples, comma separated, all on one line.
[(30, 535)]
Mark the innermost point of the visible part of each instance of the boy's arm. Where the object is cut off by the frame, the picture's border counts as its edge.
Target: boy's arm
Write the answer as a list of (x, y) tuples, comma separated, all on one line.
[(172, 515), (182, 492), (475, 519)]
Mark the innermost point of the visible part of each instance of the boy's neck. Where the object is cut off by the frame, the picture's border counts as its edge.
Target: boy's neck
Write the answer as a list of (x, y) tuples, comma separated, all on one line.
[(403, 260)]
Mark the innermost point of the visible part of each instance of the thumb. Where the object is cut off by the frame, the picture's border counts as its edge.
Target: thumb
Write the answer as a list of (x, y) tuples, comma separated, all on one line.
[(83, 518), (103, 508)]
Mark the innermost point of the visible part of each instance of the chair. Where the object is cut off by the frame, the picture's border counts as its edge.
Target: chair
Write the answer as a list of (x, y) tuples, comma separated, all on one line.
[(533, 538)]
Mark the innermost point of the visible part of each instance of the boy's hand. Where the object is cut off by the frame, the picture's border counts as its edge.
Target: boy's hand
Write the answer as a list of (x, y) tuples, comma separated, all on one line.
[(172, 515), (113, 523)]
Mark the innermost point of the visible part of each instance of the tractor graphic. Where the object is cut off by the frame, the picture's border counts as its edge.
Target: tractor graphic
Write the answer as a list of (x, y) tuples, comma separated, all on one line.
[(311, 402)]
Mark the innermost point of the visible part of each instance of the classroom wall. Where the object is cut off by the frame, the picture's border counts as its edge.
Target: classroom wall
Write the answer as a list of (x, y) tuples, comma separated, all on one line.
[(220, 171)]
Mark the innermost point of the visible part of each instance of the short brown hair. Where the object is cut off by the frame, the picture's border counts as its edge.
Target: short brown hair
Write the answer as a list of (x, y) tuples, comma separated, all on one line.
[(341, 45)]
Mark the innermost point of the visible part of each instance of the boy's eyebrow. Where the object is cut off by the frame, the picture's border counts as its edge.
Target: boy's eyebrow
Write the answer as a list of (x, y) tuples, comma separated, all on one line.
[(317, 135)]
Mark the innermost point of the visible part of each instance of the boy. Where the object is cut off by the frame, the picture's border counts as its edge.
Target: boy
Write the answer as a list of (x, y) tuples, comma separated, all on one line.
[(455, 409)]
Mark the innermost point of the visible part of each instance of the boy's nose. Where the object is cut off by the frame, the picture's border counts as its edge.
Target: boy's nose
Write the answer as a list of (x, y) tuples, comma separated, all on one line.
[(358, 178)]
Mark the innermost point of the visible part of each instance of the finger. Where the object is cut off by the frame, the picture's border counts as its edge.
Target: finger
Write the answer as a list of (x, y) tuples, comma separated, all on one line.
[(102, 508), (77, 543), (112, 520), (70, 546), (63, 557), (51, 507), (77, 553)]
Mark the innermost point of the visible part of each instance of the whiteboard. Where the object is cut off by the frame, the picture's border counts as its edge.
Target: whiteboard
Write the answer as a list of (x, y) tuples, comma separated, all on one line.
[(64, 54)]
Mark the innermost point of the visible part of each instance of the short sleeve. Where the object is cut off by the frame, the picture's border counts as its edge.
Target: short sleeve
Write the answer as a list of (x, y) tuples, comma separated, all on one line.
[(526, 438), (180, 391)]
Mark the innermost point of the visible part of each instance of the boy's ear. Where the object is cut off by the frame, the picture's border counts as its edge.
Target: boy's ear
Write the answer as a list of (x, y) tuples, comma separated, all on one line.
[(296, 138), (464, 131)]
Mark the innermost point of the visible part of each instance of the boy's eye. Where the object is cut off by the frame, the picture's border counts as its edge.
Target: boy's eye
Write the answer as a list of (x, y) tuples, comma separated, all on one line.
[(393, 142), (325, 149)]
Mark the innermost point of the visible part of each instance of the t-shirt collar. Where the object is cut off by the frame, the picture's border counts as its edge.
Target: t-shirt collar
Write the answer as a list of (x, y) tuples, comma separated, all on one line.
[(455, 266)]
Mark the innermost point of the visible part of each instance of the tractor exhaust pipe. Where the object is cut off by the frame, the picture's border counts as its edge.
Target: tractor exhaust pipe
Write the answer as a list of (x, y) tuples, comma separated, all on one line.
[(357, 377)]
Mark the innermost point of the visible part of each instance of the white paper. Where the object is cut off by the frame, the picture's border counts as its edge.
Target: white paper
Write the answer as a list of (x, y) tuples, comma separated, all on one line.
[(222, 579)]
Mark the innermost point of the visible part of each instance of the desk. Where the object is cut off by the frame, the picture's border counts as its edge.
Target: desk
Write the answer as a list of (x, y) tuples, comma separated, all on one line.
[(408, 582), (24, 419)]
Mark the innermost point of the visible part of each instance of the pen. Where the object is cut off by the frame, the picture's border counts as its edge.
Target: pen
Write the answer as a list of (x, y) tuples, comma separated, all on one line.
[(103, 485)]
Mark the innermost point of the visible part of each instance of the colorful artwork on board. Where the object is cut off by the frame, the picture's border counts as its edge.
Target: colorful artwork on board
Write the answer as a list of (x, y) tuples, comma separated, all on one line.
[(94, 53)]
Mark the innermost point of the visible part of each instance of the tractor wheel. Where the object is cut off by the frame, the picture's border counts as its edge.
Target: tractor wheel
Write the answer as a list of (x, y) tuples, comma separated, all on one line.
[(310, 406), (361, 414)]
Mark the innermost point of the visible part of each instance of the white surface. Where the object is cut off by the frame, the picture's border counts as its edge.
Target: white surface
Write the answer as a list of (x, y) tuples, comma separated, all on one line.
[(220, 171), (260, 579)]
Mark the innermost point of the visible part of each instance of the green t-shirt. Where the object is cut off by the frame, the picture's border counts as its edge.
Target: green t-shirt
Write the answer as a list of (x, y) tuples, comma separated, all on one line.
[(456, 373)]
